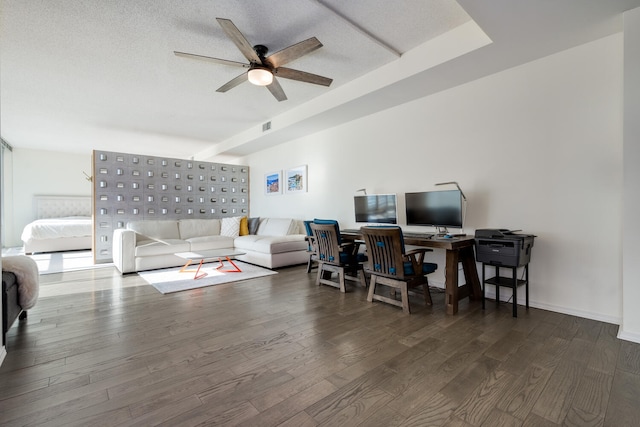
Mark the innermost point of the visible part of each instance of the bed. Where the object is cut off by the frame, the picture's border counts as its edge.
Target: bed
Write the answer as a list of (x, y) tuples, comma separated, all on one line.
[(63, 224)]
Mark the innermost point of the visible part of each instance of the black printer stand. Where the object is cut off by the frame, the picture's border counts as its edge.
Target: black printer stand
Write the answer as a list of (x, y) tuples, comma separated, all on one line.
[(511, 282), (504, 249)]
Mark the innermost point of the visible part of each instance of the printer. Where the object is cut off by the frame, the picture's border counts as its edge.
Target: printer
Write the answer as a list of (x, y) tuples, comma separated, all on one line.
[(502, 247)]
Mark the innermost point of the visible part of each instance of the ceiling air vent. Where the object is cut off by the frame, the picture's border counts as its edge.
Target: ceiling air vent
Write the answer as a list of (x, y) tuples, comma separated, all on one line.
[(266, 126)]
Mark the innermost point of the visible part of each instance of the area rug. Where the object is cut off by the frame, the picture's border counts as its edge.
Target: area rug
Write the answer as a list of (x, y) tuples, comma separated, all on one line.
[(170, 280)]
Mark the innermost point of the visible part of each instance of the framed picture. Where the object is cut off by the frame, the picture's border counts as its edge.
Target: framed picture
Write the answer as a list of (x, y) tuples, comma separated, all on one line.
[(295, 180), (272, 183)]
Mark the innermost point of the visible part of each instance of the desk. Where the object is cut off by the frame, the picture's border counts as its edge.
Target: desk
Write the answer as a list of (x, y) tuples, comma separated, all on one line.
[(459, 249)]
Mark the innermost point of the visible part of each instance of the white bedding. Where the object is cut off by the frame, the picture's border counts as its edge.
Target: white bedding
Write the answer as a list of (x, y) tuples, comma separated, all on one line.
[(55, 228)]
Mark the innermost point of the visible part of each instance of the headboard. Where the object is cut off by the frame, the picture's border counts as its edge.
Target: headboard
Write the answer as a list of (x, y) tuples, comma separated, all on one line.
[(61, 206)]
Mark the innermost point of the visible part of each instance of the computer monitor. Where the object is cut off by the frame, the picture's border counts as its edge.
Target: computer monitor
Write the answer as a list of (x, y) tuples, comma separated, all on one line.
[(376, 208), (440, 209)]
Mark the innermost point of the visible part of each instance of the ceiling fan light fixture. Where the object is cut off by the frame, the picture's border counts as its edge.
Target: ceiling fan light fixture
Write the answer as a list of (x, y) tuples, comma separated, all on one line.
[(260, 76)]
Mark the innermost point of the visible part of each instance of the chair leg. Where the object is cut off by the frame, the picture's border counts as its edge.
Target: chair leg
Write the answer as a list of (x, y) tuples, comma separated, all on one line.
[(372, 288), (367, 277), (309, 264), (363, 279), (404, 293), (427, 294), (319, 275), (341, 274)]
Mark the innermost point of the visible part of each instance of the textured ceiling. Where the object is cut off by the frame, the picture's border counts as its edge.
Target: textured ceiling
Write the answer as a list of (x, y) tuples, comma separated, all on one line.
[(83, 75), (78, 75)]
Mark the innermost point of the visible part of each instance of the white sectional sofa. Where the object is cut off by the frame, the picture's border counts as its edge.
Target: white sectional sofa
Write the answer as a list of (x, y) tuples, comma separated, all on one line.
[(151, 244)]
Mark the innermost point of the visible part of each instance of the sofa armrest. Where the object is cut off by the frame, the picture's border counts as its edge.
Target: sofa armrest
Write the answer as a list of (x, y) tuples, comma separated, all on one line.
[(124, 250)]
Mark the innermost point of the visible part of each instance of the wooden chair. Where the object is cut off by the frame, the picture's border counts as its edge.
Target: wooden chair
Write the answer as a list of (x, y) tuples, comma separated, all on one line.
[(312, 250), (389, 264), (334, 256)]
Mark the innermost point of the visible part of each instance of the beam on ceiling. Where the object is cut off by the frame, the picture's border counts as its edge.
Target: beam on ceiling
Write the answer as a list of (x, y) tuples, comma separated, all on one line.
[(357, 27), (5, 144)]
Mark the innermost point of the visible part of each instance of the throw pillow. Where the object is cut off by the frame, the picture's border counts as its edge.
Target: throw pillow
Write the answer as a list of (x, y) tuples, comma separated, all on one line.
[(253, 224), (244, 226), (230, 227)]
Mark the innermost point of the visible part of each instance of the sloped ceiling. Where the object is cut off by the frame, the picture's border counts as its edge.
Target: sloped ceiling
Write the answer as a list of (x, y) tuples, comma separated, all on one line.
[(82, 75)]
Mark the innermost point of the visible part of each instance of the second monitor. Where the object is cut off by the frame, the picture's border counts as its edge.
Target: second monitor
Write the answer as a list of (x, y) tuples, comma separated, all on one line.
[(439, 209)]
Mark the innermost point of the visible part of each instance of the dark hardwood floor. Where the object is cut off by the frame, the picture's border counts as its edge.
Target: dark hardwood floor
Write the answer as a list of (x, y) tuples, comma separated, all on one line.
[(104, 350)]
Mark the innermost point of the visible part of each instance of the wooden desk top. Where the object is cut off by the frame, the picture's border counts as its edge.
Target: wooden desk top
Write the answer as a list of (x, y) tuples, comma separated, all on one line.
[(434, 242)]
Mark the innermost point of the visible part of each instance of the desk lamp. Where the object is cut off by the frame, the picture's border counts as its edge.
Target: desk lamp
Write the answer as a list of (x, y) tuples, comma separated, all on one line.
[(464, 198), (456, 184)]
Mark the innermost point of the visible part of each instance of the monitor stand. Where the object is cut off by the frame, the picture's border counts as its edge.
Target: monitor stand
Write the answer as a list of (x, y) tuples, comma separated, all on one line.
[(442, 231)]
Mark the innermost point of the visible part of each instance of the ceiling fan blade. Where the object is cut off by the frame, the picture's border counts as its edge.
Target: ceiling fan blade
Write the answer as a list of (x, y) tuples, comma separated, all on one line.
[(302, 76), (276, 90), (295, 51), (210, 59), (233, 83), (236, 37)]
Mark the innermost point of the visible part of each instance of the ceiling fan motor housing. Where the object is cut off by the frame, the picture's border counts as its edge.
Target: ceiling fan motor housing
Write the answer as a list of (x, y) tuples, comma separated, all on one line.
[(261, 50)]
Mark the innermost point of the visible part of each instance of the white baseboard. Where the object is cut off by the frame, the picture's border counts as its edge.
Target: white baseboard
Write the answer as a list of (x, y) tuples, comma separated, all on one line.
[(628, 336), (3, 354), (506, 297), (578, 313)]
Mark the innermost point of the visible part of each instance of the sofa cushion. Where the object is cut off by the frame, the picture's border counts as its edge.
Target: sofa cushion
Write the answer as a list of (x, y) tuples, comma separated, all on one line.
[(277, 227), (271, 244), (230, 227), (210, 242), (167, 246), (156, 229), (253, 223), (244, 226), (198, 227)]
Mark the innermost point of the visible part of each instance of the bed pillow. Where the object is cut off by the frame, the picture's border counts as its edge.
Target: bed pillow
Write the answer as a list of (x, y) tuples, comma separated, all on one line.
[(230, 227)]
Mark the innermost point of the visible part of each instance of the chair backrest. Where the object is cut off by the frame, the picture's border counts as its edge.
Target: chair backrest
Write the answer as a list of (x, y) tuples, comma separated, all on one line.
[(385, 251), (326, 243), (332, 222), (307, 227)]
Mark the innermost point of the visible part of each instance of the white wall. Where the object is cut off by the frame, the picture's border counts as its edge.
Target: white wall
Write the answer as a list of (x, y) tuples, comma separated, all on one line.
[(37, 172), (537, 148), (630, 328), (3, 157)]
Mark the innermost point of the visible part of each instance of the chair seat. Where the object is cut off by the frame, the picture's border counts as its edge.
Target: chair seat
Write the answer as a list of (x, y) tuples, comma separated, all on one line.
[(346, 258), (427, 268)]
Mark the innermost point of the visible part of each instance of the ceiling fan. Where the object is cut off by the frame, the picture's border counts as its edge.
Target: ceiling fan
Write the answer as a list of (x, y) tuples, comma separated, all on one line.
[(262, 70)]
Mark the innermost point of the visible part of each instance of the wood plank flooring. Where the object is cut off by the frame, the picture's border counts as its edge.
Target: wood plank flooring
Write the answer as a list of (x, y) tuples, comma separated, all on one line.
[(102, 349)]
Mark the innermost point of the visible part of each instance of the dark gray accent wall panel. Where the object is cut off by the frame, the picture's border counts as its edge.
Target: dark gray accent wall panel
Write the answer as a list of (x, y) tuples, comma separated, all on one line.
[(128, 187)]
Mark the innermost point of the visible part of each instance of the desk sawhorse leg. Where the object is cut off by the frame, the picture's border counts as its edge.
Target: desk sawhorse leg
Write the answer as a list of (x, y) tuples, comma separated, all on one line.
[(471, 289)]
